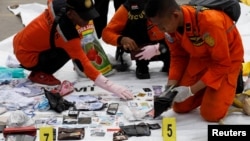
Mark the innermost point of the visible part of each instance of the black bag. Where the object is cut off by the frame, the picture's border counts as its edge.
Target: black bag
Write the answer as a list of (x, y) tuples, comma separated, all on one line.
[(141, 129), (164, 102), (230, 7), (57, 102)]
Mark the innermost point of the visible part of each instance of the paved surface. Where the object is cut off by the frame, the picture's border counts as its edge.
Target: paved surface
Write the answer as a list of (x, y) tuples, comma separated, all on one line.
[(11, 24)]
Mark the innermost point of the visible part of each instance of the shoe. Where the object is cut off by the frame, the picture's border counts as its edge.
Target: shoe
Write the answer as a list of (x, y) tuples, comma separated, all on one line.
[(43, 78), (165, 69), (142, 73)]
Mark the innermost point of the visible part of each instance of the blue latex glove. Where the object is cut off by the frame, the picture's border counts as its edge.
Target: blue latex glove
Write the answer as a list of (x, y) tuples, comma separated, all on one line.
[(184, 92)]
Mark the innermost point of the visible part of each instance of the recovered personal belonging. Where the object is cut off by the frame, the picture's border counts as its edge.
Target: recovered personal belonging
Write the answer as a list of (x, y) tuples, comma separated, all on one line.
[(164, 101), (20, 133), (65, 88), (57, 102), (70, 133), (141, 129), (89, 103)]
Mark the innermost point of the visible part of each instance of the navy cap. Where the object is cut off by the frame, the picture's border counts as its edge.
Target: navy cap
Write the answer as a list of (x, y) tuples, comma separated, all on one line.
[(84, 8)]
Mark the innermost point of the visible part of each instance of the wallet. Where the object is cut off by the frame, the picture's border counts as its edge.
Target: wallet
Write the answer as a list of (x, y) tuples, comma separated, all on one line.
[(70, 133), (28, 130), (154, 126), (141, 129), (163, 102)]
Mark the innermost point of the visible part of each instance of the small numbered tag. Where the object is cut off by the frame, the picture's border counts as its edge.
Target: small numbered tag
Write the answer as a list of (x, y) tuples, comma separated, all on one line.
[(46, 133), (169, 129)]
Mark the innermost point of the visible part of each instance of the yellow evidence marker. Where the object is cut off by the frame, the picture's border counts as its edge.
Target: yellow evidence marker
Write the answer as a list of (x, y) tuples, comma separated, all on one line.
[(46, 133), (169, 129)]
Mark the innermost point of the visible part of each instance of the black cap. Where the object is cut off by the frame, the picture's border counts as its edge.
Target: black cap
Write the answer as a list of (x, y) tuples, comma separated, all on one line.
[(84, 8)]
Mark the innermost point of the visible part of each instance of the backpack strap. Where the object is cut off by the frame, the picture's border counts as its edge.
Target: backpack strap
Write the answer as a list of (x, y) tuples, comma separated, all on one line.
[(198, 9), (53, 28), (202, 8)]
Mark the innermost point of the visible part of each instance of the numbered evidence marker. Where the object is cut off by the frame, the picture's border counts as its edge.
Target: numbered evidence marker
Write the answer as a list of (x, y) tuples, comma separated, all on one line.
[(169, 129), (46, 133)]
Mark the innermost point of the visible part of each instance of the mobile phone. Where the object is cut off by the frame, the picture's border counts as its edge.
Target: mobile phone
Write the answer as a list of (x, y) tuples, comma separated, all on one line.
[(112, 108)]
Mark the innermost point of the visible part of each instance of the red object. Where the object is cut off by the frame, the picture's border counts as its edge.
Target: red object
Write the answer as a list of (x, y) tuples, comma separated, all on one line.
[(43, 78), (92, 54), (29, 130), (113, 129), (98, 60)]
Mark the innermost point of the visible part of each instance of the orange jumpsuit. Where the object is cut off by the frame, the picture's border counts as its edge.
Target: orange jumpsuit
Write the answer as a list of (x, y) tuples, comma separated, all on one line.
[(34, 39), (209, 50), (114, 29)]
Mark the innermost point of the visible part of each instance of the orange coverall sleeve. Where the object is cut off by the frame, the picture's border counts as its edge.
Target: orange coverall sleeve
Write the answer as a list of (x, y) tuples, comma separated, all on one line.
[(113, 30), (75, 51), (179, 58)]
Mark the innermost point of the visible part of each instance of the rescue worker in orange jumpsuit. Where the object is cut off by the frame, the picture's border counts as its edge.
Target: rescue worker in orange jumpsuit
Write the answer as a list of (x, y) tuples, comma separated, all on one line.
[(44, 51), (131, 32), (206, 56)]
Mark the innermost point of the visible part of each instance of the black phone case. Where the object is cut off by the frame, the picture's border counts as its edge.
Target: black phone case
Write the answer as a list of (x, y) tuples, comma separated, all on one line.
[(112, 108)]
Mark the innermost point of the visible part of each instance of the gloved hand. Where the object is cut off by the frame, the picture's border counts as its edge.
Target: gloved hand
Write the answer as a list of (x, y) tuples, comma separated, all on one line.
[(184, 92), (106, 84), (149, 51)]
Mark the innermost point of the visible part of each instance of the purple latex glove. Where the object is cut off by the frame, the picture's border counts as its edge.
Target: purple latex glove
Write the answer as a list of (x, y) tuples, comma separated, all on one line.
[(148, 52)]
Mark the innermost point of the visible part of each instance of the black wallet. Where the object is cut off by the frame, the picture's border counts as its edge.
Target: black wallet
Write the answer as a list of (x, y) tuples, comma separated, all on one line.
[(164, 102), (140, 129)]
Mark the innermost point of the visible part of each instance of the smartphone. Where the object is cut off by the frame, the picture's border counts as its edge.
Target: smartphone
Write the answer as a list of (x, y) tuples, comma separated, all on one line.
[(112, 108)]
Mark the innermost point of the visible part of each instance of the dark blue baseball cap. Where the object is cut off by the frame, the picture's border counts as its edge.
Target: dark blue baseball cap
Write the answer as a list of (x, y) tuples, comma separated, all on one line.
[(84, 8)]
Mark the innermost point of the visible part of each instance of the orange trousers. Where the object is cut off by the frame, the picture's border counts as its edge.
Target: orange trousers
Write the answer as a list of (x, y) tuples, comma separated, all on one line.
[(213, 103)]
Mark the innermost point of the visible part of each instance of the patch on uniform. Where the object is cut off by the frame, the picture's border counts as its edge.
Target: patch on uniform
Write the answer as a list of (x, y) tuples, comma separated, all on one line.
[(169, 38), (209, 39), (87, 3), (134, 6), (196, 40)]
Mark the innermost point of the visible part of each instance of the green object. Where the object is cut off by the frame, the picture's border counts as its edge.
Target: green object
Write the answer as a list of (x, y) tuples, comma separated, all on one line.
[(94, 50), (7, 73)]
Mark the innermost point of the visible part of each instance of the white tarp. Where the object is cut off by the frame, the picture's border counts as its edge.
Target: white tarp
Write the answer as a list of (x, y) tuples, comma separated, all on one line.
[(190, 127)]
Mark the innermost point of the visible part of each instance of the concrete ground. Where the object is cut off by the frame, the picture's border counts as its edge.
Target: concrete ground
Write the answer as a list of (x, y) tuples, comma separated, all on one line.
[(11, 24)]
